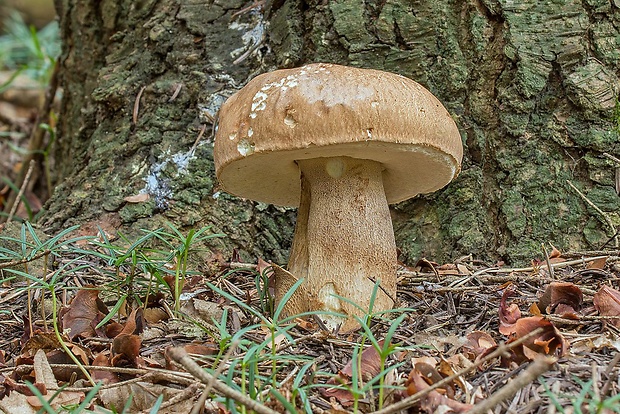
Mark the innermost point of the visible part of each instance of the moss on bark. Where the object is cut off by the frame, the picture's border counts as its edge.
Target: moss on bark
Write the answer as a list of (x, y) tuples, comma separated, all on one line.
[(532, 86)]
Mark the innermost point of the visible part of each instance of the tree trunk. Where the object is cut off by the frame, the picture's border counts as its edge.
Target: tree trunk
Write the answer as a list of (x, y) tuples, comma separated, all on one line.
[(533, 87)]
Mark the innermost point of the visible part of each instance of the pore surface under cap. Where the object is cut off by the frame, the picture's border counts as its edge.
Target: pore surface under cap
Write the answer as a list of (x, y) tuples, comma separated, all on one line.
[(325, 110)]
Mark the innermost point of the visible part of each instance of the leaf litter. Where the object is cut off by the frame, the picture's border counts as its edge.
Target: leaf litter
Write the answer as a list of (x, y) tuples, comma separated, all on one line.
[(469, 333)]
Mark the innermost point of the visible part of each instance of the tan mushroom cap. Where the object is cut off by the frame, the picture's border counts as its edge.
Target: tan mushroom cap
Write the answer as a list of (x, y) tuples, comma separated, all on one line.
[(326, 110)]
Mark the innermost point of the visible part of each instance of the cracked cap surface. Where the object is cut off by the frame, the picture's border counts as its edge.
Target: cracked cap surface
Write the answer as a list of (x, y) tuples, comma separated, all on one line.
[(326, 110)]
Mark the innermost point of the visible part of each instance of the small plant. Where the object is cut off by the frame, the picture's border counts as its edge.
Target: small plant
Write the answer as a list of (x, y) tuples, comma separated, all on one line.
[(27, 51)]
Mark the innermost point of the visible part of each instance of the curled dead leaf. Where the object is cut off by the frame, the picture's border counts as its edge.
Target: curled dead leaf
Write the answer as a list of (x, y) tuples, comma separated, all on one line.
[(549, 342), (433, 401), (508, 315), (607, 302), (562, 298), (478, 342)]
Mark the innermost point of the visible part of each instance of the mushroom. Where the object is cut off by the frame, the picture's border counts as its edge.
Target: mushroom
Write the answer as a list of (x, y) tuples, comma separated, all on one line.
[(340, 143)]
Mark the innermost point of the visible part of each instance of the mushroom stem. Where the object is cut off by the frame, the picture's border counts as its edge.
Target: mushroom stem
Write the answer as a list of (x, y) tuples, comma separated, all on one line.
[(344, 240)]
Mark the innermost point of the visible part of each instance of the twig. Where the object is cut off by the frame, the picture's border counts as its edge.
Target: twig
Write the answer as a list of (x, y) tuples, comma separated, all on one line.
[(551, 272), (599, 211), (611, 378), (22, 189), (22, 261), (222, 365), (136, 105), (554, 265), (181, 356), (176, 92), (502, 349), (254, 5), (248, 52), (185, 394), (198, 138), (611, 157), (617, 161), (539, 366)]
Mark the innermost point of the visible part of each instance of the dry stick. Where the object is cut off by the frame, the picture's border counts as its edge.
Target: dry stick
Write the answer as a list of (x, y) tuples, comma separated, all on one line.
[(539, 366), (599, 211), (22, 189), (22, 261), (185, 394), (181, 356), (220, 368), (554, 265), (412, 399), (609, 373), (198, 408), (136, 105)]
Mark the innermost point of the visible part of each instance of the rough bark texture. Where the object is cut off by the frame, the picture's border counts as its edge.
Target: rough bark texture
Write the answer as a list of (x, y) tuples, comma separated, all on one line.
[(532, 85)]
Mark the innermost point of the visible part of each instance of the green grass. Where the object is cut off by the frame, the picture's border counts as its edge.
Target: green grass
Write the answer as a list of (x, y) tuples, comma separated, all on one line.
[(135, 269)]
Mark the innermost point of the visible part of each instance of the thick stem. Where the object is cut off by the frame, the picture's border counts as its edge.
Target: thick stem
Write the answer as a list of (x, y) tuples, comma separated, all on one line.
[(344, 241)]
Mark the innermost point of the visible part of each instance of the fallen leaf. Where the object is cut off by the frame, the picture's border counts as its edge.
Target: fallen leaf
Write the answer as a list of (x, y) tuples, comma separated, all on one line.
[(562, 298), (16, 403), (85, 311), (555, 253), (479, 342), (549, 342), (607, 302), (305, 324), (44, 375), (370, 367), (598, 263), (508, 315), (585, 344), (126, 345), (108, 377), (433, 402)]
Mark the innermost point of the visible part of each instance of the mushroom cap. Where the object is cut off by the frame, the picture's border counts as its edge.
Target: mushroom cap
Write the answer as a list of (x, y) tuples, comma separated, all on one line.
[(327, 110)]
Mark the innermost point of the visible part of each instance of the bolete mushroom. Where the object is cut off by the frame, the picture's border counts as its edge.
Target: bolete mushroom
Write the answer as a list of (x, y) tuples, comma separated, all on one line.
[(340, 143)]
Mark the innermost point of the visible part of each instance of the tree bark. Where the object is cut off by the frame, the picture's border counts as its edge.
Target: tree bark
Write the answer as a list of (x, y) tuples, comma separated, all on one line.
[(533, 87)]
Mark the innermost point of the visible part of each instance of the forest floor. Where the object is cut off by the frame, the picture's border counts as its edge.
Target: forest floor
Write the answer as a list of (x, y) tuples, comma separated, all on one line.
[(525, 340)]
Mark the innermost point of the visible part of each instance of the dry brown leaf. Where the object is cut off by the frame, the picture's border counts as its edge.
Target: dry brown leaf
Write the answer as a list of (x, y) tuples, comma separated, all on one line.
[(16, 403), (143, 396), (155, 315), (40, 340), (562, 298), (44, 375), (555, 253), (607, 302), (432, 402), (479, 342), (304, 324), (126, 345), (85, 311), (370, 366), (549, 342), (598, 263), (508, 315), (202, 349), (108, 377)]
